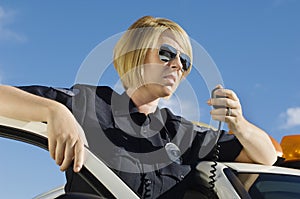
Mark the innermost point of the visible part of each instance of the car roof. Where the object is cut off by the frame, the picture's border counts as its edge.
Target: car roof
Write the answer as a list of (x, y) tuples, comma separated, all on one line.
[(258, 168)]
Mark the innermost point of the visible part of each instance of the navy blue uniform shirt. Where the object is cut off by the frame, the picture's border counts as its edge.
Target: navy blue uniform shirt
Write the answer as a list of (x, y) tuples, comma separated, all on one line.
[(136, 146)]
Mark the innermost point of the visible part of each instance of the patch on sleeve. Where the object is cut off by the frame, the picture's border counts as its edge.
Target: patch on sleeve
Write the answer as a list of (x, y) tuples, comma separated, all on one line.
[(69, 92)]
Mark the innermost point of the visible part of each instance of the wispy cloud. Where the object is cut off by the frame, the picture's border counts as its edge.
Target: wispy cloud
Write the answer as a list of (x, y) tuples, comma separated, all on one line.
[(291, 118), (6, 34), (186, 108)]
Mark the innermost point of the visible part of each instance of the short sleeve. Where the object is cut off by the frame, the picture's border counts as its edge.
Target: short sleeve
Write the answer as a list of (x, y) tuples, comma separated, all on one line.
[(229, 147), (62, 95)]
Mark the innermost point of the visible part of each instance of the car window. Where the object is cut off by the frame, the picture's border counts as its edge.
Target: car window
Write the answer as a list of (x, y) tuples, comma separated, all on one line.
[(26, 170), (271, 186)]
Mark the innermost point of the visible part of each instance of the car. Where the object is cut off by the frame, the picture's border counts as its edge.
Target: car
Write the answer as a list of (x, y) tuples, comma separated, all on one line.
[(212, 179)]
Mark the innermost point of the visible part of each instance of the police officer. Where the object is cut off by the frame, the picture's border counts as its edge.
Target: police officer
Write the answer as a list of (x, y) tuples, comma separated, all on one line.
[(151, 149)]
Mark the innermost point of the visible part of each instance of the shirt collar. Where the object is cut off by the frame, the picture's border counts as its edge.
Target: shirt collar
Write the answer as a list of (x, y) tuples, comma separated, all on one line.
[(122, 105), (129, 119)]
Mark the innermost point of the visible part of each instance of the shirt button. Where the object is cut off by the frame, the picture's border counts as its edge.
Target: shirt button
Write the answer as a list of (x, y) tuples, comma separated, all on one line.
[(181, 176)]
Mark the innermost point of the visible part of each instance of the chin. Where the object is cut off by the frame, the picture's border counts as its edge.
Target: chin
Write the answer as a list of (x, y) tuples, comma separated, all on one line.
[(167, 92), (162, 91)]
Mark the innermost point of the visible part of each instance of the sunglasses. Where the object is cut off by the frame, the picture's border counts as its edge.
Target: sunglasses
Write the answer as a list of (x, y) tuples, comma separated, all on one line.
[(168, 53)]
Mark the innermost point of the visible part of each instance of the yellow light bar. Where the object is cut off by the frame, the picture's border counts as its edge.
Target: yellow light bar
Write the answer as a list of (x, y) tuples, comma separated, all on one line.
[(291, 147), (277, 146)]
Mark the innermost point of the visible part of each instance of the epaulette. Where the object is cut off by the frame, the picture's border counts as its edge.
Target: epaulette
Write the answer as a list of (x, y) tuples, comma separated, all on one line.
[(67, 91), (201, 124)]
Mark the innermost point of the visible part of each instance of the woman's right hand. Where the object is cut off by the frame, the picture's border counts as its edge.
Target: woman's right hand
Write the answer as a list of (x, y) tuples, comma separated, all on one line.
[(66, 138)]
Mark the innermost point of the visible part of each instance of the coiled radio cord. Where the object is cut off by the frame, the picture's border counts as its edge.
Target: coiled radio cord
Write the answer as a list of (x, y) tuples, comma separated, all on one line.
[(215, 158)]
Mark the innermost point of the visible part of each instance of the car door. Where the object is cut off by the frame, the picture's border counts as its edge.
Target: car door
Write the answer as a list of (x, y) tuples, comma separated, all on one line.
[(106, 183)]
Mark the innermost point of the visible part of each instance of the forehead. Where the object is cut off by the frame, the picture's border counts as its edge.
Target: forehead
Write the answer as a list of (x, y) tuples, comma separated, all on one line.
[(168, 38)]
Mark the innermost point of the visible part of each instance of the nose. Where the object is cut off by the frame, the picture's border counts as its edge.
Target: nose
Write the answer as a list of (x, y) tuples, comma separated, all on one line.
[(176, 63)]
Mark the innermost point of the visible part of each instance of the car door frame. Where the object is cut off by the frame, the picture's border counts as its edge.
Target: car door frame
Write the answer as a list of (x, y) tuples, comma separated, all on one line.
[(99, 176)]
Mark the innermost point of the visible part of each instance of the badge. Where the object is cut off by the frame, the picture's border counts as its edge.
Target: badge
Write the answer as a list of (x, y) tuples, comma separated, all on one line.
[(173, 152)]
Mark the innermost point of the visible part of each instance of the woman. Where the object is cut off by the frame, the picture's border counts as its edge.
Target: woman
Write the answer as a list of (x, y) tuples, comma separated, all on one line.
[(129, 131)]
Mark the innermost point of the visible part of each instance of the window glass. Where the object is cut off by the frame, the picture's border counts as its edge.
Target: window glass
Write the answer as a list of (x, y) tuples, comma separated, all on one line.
[(271, 186)]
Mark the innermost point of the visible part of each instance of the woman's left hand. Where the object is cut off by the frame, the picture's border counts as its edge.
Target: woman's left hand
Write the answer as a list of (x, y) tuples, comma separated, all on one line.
[(257, 145), (230, 111)]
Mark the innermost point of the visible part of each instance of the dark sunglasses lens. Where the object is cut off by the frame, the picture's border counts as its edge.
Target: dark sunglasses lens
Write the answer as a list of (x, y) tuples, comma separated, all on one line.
[(186, 61), (167, 53), (164, 55)]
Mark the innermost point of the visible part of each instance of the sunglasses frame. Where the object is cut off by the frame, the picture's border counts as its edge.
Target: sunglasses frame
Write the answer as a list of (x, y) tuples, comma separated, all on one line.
[(172, 52)]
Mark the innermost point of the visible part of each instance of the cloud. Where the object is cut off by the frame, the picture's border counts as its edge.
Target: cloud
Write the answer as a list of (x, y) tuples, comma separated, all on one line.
[(6, 34), (291, 118), (185, 108)]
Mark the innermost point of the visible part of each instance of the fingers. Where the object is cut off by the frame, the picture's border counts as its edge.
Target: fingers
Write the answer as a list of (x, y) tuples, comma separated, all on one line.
[(65, 151), (59, 152), (223, 102), (229, 107), (79, 157), (66, 139), (68, 157), (73, 151), (226, 93), (52, 147), (222, 114)]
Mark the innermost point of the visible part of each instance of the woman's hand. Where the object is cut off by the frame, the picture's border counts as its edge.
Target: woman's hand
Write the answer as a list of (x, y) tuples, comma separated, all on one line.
[(257, 146), (66, 138), (231, 111)]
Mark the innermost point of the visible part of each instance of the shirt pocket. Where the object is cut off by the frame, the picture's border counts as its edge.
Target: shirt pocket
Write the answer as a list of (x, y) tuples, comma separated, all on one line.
[(122, 160), (175, 171)]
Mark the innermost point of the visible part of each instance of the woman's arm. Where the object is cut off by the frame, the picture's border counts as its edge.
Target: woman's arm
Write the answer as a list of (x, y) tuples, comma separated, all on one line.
[(257, 146), (65, 136)]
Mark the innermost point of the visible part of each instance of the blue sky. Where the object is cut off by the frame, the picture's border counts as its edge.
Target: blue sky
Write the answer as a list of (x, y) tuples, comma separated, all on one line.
[(254, 44)]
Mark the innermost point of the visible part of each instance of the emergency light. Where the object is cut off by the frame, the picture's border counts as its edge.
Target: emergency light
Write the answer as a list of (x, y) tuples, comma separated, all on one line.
[(291, 147)]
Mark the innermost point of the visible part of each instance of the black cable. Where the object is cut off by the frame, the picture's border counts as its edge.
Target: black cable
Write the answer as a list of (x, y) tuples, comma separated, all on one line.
[(213, 167), (214, 164)]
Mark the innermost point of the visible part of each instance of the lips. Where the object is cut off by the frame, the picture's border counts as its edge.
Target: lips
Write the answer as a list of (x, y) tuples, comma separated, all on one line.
[(171, 78)]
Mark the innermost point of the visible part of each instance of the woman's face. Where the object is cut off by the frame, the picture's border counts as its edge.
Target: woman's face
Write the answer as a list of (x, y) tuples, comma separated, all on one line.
[(163, 77)]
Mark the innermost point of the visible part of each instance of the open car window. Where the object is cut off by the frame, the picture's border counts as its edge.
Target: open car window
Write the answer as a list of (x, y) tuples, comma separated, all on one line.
[(23, 170), (95, 172)]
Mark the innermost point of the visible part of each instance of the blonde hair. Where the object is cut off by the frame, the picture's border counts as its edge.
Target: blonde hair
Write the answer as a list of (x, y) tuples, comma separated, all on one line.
[(130, 51)]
